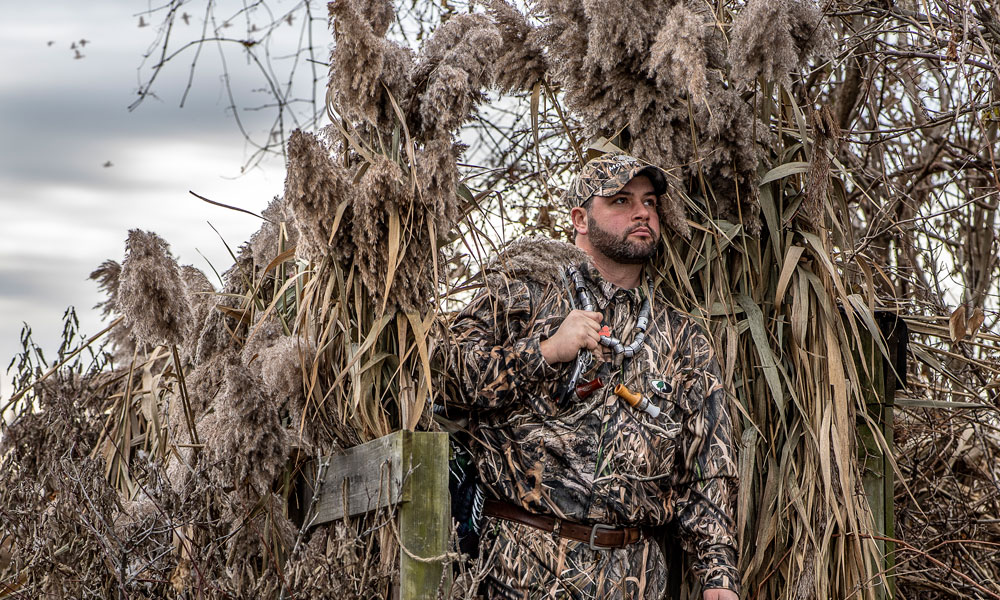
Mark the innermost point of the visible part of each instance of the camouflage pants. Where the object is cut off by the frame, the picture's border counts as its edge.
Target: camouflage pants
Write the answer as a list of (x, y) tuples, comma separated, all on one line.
[(524, 563)]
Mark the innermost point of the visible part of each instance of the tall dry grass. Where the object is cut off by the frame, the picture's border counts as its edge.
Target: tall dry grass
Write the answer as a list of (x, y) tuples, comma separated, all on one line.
[(168, 465)]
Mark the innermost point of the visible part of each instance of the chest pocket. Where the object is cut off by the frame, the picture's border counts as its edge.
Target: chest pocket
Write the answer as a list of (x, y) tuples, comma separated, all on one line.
[(663, 432), (646, 445)]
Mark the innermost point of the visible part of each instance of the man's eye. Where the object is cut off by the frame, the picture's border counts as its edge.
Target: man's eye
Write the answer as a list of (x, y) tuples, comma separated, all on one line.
[(649, 201), (620, 200)]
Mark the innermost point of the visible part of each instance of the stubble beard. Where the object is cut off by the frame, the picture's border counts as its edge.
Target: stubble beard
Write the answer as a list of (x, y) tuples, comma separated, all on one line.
[(621, 249)]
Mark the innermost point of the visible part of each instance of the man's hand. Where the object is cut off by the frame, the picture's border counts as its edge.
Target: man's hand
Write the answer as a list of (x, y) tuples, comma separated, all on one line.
[(720, 594), (580, 329)]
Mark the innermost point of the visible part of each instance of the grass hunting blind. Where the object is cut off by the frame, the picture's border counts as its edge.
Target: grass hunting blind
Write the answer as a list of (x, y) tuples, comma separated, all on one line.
[(832, 184)]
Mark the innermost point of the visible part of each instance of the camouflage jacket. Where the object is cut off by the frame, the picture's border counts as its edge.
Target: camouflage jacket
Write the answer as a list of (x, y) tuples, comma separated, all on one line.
[(598, 460)]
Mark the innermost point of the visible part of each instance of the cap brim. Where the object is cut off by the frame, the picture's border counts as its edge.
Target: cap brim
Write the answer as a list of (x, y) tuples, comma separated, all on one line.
[(655, 174)]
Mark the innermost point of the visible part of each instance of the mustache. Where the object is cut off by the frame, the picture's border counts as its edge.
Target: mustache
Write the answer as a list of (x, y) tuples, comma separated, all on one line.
[(638, 226)]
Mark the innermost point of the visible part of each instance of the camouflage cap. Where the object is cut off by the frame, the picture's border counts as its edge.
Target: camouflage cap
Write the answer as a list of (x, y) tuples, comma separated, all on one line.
[(607, 174)]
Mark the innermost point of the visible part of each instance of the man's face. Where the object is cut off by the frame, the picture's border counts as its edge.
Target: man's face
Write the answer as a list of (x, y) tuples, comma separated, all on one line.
[(625, 227)]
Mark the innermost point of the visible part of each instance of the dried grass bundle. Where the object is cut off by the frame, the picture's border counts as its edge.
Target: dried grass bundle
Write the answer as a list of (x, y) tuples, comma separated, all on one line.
[(382, 195), (453, 68), (678, 54), (437, 180), (364, 66), (402, 198), (151, 292), (770, 39), (655, 73), (314, 188), (522, 62), (246, 443)]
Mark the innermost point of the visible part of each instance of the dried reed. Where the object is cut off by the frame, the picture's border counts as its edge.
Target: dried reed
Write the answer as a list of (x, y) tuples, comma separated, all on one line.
[(171, 471)]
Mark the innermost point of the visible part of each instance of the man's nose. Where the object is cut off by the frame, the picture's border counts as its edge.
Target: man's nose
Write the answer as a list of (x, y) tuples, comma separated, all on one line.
[(641, 213)]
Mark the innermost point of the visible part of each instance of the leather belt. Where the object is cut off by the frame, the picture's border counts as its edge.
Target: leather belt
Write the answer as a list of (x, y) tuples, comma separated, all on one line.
[(599, 536)]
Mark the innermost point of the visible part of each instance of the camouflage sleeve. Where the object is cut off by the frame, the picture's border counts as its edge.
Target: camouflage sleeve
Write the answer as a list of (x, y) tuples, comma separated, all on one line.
[(708, 478), (496, 358)]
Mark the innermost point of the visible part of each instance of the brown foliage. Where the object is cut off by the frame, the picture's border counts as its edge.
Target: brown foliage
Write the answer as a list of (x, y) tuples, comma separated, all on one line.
[(151, 294)]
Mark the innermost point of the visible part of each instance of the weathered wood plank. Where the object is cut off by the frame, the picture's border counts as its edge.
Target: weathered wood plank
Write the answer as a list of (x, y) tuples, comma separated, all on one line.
[(408, 469), (424, 521), (363, 479)]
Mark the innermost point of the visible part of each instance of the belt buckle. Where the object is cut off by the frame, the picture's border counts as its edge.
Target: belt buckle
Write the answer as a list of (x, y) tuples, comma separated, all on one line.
[(593, 533)]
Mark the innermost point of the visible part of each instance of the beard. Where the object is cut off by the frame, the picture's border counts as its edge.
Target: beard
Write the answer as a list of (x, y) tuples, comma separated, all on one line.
[(621, 249)]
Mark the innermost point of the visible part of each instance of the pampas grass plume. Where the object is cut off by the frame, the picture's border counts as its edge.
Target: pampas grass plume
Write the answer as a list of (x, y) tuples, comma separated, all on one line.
[(678, 55), (151, 293), (314, 187), (522, 62), (771, 38), (246, 441), (456, 63), (363, 61)]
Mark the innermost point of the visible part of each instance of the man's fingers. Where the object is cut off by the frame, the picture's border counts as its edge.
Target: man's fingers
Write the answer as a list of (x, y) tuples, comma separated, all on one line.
[(594, 316)]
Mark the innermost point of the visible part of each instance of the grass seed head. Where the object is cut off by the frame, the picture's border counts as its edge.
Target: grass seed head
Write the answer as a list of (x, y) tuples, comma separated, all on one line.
[(151, 294), (522, 62), (364, 66), (247, 444), (314, 187), (678, 55), (771, 38), (437, 178), (455, 65), (121, 341)]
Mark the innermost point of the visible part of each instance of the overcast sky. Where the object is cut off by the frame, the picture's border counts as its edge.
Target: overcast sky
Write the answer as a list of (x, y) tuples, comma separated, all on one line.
[(63, 119)]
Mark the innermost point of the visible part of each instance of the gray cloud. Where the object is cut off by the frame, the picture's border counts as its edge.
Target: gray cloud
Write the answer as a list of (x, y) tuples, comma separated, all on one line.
[(61, 119)]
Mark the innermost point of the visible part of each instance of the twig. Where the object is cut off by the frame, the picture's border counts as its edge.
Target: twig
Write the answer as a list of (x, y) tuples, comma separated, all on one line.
[(48, 373)]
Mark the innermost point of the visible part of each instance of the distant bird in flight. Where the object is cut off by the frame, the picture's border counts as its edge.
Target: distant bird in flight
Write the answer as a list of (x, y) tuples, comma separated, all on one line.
[(83, 42), (107, 164), (186, 18), (77, 55), (50, 43), (142, 22)]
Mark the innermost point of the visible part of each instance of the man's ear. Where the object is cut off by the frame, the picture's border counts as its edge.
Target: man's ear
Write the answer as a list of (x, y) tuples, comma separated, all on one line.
[(579, 217)]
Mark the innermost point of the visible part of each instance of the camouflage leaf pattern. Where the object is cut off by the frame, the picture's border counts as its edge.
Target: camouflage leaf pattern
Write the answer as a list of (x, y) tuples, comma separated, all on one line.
[(607, 174), (598, 461), (529, 563)]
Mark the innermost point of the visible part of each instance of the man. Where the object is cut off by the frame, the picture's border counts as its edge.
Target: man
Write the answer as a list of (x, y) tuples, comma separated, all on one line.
[(597, 412)]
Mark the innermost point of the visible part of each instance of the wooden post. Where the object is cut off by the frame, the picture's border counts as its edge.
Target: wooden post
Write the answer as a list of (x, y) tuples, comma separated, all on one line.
[(879, 387), (424, 521), (405, 469)]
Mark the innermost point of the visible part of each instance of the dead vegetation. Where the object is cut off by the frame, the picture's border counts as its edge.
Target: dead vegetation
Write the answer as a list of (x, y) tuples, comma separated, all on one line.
[(824, 171)]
